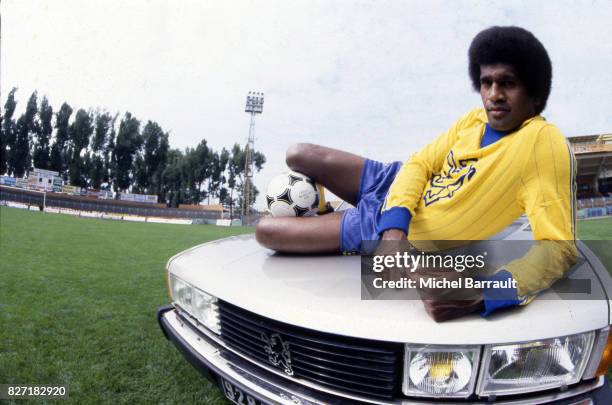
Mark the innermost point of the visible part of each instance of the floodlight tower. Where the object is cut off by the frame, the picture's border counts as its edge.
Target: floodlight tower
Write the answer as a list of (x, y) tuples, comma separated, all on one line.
[(254, 105)]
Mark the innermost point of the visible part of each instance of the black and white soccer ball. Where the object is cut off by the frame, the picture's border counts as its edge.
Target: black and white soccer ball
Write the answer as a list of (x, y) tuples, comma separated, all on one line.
[(292, 194)]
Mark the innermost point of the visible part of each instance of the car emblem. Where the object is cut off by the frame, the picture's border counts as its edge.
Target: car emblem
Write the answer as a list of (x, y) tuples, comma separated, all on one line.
[(278, 352)]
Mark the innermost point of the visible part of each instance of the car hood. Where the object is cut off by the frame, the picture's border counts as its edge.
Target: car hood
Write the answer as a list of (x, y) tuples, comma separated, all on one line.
[(324, 293)]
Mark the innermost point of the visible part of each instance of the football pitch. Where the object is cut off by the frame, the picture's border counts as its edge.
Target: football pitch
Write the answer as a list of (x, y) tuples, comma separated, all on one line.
[(78, 302), (78, 299)]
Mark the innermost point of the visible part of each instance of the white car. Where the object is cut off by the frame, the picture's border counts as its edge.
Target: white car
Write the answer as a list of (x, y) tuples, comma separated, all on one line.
[(272, 329)]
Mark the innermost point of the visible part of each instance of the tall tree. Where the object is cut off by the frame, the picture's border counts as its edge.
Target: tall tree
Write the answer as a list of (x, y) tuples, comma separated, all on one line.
[(27, 125), (8, 130), (150, 164), (59, 156), (188, 169), (235, 169), (110, 163), (259, 159), (240, 189), (203, 163), (80, 132), (217, 173), (102, 124), (237, 178), (126, 146), (172, 178), (162, 161), (42, 159), (96, 166), (20, 152), (140, 180)]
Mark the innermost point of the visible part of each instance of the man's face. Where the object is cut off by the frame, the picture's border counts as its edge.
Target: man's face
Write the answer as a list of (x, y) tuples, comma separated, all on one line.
[(504, 97)]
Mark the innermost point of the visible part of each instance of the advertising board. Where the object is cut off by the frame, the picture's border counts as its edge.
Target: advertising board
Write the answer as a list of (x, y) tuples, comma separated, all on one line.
[(144, 198), (43, 173), (22, 183), (7, 181), (71, 189), (105, 194)]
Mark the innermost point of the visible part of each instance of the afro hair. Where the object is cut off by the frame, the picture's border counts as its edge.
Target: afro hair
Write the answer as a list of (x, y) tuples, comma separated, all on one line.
[(518, 48)]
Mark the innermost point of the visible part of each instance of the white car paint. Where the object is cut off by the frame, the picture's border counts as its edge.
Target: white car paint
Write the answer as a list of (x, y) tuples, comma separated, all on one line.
[(324, 293)]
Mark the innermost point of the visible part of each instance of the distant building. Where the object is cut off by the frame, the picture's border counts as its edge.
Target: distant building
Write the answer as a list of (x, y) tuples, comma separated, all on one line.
[(218, 208), (594, 156)]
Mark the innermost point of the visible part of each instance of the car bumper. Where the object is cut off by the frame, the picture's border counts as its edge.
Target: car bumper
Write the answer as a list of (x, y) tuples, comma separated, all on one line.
[(217, 363)]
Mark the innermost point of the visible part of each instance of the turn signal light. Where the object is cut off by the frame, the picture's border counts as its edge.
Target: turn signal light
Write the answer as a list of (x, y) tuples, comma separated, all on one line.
[(606, 357)]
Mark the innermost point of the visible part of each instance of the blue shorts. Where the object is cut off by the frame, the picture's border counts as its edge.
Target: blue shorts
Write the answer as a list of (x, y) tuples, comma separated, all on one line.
[(359, 223)]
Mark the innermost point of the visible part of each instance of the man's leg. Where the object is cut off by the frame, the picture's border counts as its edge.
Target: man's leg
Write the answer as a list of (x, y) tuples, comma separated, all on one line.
[(301, 235), (337, 170), (340, 172)]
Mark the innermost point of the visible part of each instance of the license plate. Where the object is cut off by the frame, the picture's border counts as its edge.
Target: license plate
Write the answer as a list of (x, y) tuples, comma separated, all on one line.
[(237, 395)]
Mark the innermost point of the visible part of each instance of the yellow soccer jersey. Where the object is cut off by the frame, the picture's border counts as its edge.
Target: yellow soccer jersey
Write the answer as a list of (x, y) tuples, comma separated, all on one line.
[(456, 190)]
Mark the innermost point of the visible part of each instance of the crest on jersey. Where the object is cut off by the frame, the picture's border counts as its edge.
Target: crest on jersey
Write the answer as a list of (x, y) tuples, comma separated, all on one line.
[(445, 185)]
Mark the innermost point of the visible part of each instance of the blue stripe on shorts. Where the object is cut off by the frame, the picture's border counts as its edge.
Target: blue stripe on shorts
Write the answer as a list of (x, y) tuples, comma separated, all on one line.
[(359, 223)]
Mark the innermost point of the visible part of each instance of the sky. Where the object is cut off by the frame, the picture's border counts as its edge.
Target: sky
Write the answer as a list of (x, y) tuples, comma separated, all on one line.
[(377, 78)]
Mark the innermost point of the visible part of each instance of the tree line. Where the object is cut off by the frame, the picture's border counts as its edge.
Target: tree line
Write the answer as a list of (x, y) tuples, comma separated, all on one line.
[(99, 150)]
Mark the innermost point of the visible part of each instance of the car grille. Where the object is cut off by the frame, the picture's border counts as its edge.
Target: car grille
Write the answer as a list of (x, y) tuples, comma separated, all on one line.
[(351, 365)]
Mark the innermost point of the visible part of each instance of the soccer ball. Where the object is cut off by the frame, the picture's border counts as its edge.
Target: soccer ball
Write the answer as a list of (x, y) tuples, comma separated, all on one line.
[(292, 194)]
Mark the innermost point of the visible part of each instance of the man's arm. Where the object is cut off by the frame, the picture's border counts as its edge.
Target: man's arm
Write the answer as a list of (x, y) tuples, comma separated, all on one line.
[(548, 195)]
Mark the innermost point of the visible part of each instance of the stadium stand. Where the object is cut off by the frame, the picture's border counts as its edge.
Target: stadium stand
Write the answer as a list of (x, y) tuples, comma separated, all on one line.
[(594, 157), (67, 202)]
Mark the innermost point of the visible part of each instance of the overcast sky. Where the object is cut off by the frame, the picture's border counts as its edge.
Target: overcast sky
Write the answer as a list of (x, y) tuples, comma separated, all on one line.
[(377, 78)]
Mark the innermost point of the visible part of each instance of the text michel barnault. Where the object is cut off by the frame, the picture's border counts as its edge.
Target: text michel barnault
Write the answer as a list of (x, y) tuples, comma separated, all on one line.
[(443, 283)]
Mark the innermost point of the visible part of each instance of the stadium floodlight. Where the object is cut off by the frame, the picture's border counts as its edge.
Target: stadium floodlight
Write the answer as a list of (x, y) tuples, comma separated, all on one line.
[(254, 102), (254, 105)]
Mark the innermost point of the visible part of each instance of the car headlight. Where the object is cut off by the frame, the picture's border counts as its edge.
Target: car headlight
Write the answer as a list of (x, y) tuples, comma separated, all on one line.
[(195, 302), (533, 366), (440, 371)]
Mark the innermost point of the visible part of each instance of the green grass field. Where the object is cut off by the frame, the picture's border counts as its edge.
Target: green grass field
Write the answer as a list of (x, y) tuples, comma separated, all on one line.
[(594, 230), (78, 299)]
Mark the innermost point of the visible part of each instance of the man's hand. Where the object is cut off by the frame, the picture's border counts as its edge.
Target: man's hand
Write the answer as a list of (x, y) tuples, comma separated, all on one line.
[(393, 234), (444, 310), (443, 304), (390, 248)]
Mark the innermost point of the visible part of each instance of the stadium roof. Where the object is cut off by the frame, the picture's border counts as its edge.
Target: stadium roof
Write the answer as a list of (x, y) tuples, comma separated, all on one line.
[(593, 153), (600, 138)]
